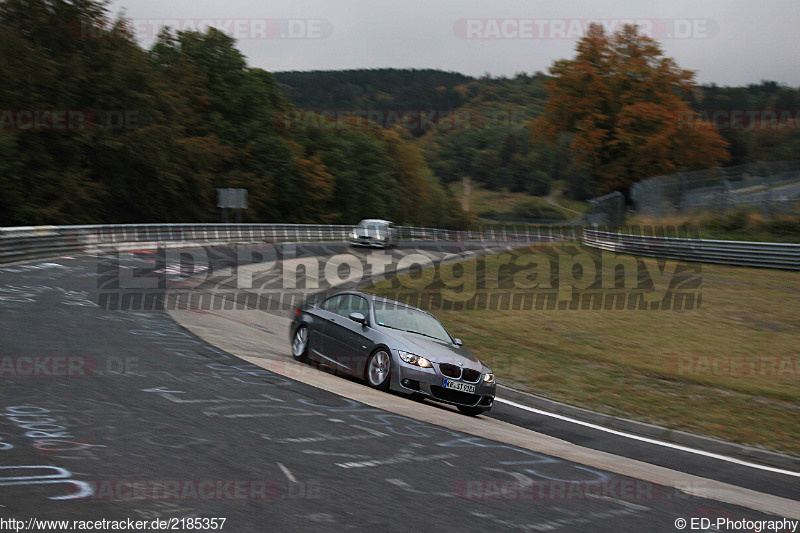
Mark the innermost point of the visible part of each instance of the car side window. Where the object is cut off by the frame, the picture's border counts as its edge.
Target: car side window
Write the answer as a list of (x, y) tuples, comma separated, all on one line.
[(332, 304), (353, 304), (359, 305)]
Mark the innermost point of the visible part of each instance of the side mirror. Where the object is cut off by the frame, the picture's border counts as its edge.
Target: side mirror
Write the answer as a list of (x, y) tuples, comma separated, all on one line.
[(458, 342), (358, 317)]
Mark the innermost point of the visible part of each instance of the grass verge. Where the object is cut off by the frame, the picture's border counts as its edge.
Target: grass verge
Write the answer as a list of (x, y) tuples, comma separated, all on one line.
[(733, 225), (504, 203)]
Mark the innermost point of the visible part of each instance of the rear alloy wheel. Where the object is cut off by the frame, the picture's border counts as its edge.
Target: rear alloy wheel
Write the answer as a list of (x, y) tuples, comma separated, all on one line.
[(300, 344), (379, 368), (469, 411)]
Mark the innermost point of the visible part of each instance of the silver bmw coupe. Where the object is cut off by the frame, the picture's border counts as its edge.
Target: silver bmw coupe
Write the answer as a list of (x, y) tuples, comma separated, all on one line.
[(392, 345)]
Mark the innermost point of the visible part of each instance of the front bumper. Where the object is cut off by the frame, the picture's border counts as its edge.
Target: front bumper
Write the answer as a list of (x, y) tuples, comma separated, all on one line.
[(370, 243), (429, 382)]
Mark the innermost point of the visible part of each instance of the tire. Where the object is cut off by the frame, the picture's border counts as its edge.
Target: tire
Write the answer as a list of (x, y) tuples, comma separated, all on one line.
[(470, 411), (378, 372), (300, 344)]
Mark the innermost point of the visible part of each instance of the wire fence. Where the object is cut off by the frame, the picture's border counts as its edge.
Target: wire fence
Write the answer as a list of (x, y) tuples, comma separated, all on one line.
[(773, 188)]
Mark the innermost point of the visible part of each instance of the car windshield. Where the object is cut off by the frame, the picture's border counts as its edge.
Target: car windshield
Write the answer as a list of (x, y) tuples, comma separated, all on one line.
[(372, 230), (412, 320)]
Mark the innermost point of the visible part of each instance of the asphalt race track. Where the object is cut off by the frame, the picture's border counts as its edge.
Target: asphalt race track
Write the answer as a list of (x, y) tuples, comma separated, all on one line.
[(128, 414)]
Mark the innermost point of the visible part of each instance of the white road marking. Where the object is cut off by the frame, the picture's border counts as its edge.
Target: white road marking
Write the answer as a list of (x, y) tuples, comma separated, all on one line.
[(336, 454), (651, 441), (287, 473), (163, 390)]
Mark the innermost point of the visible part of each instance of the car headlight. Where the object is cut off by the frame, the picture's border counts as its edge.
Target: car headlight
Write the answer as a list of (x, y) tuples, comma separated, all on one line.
[(412, 359), (488, 378)]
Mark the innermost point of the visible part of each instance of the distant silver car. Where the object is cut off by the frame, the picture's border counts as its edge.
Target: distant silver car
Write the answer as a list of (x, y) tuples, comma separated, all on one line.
[(394, 346), (375, 233)]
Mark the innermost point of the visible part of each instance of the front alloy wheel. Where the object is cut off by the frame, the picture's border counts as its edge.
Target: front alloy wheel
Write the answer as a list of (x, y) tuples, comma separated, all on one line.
[(379, 368), (300, 344)]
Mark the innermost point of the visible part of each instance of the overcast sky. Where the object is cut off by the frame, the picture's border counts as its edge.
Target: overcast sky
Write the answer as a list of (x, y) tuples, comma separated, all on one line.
[(728, 42)]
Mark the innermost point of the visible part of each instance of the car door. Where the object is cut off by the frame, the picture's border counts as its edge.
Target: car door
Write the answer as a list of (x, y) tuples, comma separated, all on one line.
[(319, 340), (348, 343)]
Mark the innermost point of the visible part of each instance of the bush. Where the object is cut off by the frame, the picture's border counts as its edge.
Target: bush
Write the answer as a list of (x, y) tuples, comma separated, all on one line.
[(537, 210), (787, 226), (750, 225), (730, 221)]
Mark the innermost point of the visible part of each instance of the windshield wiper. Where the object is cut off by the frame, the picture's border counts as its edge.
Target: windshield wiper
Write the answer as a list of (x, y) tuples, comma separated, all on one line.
[(390, 327), (412, 331), (423, 334)]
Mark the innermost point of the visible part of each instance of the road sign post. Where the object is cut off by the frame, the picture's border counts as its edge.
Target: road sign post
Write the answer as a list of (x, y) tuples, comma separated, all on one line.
[(232, 199)]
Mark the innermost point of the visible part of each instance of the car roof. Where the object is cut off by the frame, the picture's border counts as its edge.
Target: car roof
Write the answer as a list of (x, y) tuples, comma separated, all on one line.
[(379, 299), (375, 221)]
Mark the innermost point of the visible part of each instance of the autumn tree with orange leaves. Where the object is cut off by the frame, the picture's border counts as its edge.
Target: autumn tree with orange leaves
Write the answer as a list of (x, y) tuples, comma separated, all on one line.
[(623, 107)]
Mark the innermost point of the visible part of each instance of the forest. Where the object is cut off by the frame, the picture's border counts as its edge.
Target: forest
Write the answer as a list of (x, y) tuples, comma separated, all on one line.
[(494, 145), (99, 130)]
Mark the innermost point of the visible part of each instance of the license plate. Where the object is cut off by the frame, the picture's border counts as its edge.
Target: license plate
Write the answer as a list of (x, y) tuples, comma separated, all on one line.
[(459, 386)]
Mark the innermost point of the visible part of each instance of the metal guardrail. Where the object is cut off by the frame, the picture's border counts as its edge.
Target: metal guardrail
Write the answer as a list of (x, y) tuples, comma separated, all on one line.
[(742, 253), (35, 242), (21, 243)]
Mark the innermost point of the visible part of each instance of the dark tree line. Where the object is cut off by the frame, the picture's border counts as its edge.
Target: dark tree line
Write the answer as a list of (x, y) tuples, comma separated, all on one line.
[(752, 138), (398, 89), (153, 133)]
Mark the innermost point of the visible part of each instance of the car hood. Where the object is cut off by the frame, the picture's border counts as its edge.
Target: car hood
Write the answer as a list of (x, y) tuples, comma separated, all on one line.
[(433, 350)]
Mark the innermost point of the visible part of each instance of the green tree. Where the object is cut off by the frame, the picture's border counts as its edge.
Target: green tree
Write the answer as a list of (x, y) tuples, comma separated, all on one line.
[(165, 127)]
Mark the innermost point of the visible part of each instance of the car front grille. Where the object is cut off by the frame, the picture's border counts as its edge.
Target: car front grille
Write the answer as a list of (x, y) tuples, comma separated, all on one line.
[(456, 372), (451, 371), (471, 375), (454, 396)]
